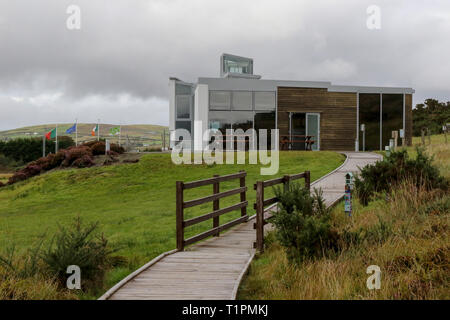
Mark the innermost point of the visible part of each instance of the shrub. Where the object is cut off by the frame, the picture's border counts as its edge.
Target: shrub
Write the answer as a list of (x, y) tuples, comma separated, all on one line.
[(78, 246), (29, 149), (98, 148), (83, 162), (116, 148), (395, 169), (302, 224), (75, 153)]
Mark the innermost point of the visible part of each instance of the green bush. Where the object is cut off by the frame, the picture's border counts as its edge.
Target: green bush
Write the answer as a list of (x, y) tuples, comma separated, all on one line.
[(302, 224), (78, 246), (395, 169)]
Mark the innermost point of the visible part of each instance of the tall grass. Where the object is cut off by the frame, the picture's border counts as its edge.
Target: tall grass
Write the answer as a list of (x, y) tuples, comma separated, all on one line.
[(414, 255), (406, 234)]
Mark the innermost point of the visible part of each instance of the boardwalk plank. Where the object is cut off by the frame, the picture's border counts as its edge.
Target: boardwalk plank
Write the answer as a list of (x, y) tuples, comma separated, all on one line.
[(211, 269)]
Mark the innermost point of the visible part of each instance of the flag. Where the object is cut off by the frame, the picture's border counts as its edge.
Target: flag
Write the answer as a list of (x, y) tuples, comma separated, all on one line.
[(94, 130), (72, 129), (51, 134), (114, 131)]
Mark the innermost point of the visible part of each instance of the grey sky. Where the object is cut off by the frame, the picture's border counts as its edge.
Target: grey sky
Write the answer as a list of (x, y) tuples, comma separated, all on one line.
[(117, 66)]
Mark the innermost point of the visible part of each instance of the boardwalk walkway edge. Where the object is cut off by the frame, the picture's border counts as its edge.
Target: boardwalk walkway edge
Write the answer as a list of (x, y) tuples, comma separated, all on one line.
[(134, 274)]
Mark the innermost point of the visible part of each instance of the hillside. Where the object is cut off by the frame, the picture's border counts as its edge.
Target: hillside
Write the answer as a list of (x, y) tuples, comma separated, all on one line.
[(140, 134), (134, 203)]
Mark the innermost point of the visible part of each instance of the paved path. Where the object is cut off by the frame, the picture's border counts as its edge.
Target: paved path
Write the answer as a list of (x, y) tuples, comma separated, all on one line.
[(213, 269)]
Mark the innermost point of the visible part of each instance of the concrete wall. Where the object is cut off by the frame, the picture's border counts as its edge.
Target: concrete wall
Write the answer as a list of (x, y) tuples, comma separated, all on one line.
[(201, 107)]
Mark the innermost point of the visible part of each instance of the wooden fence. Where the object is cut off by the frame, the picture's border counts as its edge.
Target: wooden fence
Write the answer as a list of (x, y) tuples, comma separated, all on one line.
[(261, 203), (214, 198)]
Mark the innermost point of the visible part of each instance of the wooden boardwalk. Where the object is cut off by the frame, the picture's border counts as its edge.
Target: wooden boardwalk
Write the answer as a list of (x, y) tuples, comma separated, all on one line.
[(213, 269)]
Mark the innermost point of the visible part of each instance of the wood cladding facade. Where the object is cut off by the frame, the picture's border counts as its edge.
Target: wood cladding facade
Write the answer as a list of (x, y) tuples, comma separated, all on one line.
[(338, 112)]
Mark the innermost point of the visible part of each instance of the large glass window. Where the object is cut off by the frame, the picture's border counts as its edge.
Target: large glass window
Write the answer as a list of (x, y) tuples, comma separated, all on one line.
[(183, 106), (264, 100), (369, 115), (265, 121), (242, 100), (219, 100), (235, 64), (392, 115)]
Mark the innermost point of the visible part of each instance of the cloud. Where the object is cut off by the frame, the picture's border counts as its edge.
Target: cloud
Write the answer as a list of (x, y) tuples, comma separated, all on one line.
[(130, 49)]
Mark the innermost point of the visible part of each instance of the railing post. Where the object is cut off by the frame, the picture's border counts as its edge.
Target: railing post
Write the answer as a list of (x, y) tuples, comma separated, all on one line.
[(243, 194), (180, 215), (308, 180), (216, 189), (286, 182), (260, 216)]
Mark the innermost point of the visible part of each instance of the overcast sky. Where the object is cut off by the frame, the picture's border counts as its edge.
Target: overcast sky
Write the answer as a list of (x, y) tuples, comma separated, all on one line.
[(116, 67)]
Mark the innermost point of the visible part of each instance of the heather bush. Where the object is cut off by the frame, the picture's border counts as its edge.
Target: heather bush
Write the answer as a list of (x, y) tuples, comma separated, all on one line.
[(302, 223), (385, 175), (98, 148), (74, 153), (83, 162)]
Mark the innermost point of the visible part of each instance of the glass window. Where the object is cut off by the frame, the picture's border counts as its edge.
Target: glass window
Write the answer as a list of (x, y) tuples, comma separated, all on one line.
[(183, 107), (220, 120), (183, 125), (242, 100), (182, 89), (237, 65), (265, 121), (264, 100), (369, 115), (219, 100), (242, 120), (392, 115)]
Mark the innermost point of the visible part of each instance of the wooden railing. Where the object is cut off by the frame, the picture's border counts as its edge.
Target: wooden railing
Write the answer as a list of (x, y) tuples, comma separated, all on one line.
[(262, 203), (214, 198)]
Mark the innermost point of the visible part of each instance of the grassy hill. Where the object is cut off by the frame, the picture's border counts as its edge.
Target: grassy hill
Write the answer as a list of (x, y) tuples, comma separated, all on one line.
[(134, 203), (139, 133)]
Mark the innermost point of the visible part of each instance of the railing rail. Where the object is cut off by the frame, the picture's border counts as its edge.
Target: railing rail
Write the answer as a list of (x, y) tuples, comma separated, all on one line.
[(262, 203), (215, 181)]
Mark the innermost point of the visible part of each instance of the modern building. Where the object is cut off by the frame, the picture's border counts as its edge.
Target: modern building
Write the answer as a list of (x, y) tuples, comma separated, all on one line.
[(308, 114)]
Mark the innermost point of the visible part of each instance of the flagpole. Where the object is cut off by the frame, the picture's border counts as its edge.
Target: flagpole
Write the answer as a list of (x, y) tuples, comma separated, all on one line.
[(98, 129), (43, 145), (76, 132), (120, 133), (56, 142)]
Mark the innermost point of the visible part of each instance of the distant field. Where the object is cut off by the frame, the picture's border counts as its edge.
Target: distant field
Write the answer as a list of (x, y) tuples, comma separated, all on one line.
[(144, 133), (134, 203)]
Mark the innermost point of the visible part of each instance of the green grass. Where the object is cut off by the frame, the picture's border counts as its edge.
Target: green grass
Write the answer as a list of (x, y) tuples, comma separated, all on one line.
[(134, 203)]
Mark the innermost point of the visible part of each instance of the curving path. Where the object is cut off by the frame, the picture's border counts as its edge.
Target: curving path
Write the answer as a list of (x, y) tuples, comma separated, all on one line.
[(213, 269)]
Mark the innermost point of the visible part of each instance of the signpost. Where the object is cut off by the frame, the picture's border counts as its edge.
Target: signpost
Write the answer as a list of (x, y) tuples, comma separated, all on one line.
[(348, 193), (402, 136)]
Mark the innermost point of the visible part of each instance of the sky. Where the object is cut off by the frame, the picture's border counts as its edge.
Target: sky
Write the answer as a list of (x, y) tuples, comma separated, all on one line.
[(116, 66)]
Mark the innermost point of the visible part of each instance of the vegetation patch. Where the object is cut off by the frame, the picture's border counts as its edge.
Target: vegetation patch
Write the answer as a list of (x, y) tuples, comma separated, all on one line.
[(403, 229), (46, 268)]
